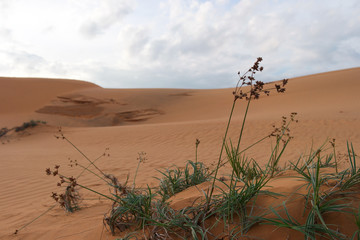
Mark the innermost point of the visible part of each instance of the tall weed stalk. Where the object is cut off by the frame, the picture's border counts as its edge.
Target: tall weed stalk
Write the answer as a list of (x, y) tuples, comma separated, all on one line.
[(255, 89)]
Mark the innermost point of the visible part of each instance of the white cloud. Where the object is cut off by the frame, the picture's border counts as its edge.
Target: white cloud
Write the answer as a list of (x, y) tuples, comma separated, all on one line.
[(21, 60), (178, 43), (19, 63), (104, 14), (5, 34)]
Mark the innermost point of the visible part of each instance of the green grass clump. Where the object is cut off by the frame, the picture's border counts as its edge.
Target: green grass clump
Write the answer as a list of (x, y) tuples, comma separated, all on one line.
[(134, 209), (310, 231), (186, 223), (351, 176), (320, 203), (238, 201), (175, 180), (243, 168), (321, 199)]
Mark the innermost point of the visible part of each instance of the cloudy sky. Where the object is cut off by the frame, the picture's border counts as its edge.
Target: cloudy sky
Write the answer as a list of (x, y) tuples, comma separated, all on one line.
[(176, 43)]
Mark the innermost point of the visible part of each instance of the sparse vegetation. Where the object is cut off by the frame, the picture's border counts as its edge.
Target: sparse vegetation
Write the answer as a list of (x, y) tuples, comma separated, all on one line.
[(228, 210), (25, 125), (235, 207), (320, 198)]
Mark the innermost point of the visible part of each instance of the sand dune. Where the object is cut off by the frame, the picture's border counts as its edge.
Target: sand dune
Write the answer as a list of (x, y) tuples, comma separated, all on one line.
[(22, 96), (164, 123)]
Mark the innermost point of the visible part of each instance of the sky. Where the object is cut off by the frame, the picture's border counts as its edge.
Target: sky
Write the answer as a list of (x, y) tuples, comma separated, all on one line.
[(176, 43)]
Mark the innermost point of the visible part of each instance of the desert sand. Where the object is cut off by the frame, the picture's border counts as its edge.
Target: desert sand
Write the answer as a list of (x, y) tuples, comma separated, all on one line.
[(164, 123)]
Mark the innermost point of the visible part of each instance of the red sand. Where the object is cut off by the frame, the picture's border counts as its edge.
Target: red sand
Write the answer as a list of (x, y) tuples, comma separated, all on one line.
[(164, 123)]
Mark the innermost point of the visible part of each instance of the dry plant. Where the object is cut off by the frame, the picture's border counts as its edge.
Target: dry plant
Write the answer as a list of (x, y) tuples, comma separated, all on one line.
[(255, 91), (70, 199)]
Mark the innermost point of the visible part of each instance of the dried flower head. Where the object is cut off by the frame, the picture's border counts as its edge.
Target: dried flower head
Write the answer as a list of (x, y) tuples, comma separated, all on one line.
[(197, 142), (283, 132), (256, 87), (142, 157), (61, 134), (332, 142)]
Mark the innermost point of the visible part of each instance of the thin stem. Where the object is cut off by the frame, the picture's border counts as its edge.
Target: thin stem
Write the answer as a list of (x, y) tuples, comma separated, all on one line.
[(46, 211), (243, 125), (197, 142), (82, 186), (196, 153), (137, 168), (112, 199), (84, 168), (87, 168), (250, 146), (336, 165), (220, 155), (240, 137), (84, 156), (274, 157), (27, 224)]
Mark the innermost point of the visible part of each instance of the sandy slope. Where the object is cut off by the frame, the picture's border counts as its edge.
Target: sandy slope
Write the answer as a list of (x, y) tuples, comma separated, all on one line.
[(164, 123), (20, 97)]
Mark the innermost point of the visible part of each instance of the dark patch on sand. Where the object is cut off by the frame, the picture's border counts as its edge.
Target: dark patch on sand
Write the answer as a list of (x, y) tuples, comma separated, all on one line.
[(135, 116), (80, 111), (185, 94)]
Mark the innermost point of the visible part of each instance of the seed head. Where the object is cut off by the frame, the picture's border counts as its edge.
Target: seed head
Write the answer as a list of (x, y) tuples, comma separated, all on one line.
[(256, 87), (197, 142)]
